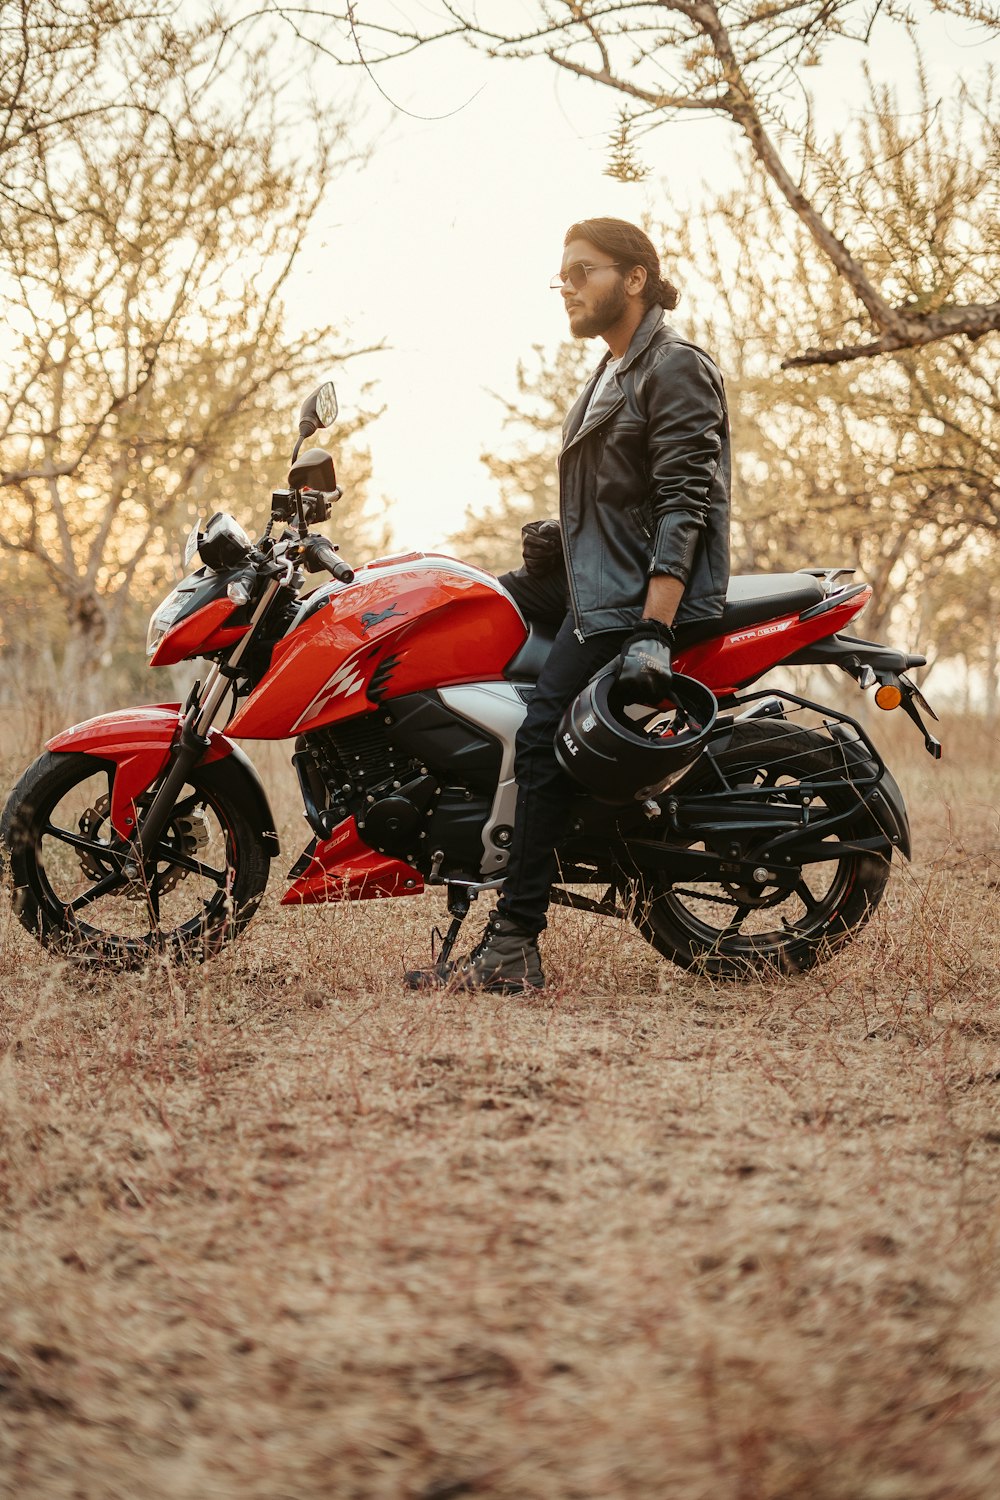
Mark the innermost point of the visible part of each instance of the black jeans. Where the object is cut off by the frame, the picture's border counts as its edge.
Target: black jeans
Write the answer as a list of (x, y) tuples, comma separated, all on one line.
[(544, 791)]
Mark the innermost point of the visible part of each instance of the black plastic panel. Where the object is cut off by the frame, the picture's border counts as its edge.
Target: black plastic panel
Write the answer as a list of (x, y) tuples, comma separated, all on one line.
[(455, 750), (850, 652), (457, 828)]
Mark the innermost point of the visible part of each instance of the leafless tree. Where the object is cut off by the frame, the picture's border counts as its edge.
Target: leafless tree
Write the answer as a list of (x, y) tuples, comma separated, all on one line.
[(66, 63), (148, 370), (742, 60)]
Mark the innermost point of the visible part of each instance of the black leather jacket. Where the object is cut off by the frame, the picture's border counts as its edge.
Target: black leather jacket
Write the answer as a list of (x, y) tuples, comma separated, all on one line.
[(644, 483)]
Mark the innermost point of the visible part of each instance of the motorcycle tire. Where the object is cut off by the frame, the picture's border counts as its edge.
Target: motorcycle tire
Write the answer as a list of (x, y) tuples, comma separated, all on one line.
[(831, 903), (204, 886)]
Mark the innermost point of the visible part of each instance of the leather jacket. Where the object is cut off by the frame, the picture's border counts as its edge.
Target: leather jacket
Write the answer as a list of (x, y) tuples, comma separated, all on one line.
[(644, 483)]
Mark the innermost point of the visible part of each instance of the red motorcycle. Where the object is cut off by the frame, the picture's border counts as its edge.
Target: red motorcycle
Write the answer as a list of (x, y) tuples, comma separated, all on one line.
[(147, 830)]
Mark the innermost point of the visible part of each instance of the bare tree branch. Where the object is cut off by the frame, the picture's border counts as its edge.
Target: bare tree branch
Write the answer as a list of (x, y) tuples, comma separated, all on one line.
[(971, 321), (139, 365), (723, 57)]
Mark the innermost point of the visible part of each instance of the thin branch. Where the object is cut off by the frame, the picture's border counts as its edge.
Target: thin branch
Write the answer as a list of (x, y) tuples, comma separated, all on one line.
[(657, 101), (973, 322)]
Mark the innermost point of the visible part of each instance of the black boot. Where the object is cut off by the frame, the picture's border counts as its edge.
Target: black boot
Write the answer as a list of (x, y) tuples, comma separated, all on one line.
[(504, 961)]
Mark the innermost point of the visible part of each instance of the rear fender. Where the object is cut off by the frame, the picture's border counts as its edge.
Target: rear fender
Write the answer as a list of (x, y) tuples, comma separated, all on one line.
[(138, 742), (884, 801)]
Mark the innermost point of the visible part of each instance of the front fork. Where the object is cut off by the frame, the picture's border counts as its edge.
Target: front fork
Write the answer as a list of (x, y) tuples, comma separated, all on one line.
[(193, 741)]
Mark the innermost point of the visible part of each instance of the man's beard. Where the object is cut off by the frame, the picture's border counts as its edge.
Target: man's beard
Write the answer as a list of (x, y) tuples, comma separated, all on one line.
[(604, 316)]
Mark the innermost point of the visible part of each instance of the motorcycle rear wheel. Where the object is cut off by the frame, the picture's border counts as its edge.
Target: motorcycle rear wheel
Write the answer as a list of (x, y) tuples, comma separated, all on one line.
[(65, 860), (709, 928)]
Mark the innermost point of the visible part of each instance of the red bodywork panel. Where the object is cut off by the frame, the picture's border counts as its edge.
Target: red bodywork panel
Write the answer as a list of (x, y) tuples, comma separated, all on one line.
[(198, 634), (404, 624), (138, 740), (343, 868), (728, 662)]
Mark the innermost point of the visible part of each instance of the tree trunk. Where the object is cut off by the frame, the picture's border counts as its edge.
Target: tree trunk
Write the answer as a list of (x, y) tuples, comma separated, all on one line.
[(991, 672), (82, 678)]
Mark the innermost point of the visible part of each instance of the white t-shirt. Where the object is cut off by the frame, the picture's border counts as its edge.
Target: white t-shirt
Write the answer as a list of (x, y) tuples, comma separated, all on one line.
[(606, 374)]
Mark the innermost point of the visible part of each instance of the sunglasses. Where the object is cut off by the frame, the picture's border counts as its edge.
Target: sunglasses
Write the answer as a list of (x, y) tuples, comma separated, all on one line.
[(577, 273)]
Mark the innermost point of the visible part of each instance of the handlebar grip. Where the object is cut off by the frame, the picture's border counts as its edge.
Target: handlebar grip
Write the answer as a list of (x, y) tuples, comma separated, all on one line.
[(323, 554)]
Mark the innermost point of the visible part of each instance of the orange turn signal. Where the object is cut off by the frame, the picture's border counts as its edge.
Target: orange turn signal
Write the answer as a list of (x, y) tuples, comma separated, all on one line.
[(888, 696)]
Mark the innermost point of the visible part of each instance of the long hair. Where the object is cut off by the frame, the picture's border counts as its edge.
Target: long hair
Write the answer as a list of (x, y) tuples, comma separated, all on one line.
[(631, 247)]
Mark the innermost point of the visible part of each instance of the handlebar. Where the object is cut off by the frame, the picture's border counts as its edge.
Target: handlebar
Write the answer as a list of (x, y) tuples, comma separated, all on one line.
[(317, 552)]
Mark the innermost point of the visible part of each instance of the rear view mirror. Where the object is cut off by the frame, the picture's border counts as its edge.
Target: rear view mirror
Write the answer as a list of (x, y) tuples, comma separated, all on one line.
[(319, 409), (313, 470), (326, 404)]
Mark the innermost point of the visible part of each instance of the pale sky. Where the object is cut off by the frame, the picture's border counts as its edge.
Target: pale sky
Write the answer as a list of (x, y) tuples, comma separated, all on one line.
[(444, 243)]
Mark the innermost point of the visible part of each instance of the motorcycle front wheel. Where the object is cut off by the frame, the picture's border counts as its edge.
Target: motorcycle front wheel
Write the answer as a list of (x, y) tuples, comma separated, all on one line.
[(733, 932), (76, 889)]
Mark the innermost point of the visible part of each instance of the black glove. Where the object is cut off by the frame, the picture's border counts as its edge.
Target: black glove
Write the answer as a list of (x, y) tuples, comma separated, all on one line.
[(644, 669), (541, 546)]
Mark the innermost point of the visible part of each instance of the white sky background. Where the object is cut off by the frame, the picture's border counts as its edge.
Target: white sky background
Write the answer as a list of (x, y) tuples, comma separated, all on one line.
[(444, 243)]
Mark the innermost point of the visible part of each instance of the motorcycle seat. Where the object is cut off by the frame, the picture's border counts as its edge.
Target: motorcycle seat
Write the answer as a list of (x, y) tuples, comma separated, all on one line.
[(528, 661), (751, 598)]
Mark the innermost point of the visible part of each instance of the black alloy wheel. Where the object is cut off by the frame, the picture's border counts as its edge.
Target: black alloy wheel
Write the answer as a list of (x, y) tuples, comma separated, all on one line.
[(730, 931), (76, 888)]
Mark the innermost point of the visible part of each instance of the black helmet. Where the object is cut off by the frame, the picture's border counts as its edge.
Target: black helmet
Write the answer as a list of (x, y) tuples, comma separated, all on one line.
[(613, 757)]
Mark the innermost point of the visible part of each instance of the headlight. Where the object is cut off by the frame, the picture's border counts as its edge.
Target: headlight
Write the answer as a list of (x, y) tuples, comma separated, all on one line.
[(163, 617)]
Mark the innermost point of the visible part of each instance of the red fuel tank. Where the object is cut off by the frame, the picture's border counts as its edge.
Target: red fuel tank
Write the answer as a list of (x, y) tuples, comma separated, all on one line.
[(420, 620)]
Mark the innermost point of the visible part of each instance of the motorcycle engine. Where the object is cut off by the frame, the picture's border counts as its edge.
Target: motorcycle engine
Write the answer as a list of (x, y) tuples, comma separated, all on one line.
[(401, 807), (354, 768), (395, 815)]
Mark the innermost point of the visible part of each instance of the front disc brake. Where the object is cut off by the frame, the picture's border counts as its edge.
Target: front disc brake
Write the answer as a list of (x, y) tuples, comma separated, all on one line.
[(188, 834), (91, 823)]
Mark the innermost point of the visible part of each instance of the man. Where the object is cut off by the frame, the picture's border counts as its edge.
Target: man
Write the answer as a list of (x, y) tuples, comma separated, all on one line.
[(644, 477)]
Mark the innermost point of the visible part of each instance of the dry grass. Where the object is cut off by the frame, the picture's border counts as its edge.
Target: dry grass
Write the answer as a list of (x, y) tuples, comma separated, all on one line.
[(276, 1229)]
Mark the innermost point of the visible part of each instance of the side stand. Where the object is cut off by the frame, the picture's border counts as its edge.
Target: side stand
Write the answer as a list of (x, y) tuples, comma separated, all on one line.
[(459, 901)]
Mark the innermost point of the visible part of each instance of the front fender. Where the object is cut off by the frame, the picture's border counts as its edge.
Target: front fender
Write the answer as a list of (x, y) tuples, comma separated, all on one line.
[(138, 741)]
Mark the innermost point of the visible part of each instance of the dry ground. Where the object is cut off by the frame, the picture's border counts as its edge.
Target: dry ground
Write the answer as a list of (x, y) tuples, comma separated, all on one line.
[(274, 1229)]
